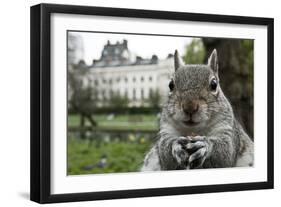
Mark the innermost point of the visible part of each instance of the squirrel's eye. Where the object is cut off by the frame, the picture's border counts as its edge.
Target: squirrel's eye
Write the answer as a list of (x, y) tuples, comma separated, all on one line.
[(213, 84), (171, 85)]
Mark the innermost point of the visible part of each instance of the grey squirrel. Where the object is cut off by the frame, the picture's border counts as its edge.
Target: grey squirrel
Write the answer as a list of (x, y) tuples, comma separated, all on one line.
[(197, 126)]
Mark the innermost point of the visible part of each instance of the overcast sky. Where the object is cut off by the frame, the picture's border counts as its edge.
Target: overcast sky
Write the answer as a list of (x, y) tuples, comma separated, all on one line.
[(141, 45)]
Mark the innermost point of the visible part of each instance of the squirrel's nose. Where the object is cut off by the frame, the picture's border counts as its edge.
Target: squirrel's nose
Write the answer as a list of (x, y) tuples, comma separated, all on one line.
[(190, 107)]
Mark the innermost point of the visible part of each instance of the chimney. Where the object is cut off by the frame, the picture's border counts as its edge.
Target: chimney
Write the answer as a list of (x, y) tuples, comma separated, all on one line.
[(125, 43)]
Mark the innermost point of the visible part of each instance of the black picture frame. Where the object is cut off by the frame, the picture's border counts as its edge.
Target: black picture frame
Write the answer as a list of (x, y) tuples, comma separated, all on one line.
[(41, 98)]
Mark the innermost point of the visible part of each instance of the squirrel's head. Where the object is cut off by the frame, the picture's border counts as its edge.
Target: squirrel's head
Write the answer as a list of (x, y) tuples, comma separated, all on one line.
[(194, 92)]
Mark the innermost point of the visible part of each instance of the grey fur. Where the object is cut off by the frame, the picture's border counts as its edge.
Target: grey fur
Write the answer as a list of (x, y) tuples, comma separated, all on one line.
[(213, 61), (217, 140), (177, 60)]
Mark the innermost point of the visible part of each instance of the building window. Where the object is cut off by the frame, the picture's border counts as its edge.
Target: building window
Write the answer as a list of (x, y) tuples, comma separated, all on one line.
[(126, 80), (110, 81), (150, 92), (134, 94), (104, 81), (142, 79), (150, 78), (96, 82), (90, 82), (95, 95), (134, 79), (118, 80), (111, 93), (126, 93), (142, 93), (103, 95)]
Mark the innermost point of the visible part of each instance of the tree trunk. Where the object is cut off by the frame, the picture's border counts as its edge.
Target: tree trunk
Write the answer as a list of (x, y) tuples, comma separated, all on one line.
[(92, 121), (236, 79), (82, 125)]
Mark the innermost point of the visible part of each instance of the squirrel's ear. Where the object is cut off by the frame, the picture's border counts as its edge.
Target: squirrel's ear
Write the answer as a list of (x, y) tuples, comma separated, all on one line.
[(178, 60), (213, 61)]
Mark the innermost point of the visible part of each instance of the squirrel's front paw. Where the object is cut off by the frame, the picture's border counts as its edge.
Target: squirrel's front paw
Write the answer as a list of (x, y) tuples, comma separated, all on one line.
[(198, 148), (179, 151)]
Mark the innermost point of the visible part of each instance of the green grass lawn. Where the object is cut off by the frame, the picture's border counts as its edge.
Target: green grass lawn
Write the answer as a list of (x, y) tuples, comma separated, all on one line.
[(122, 140), (127, 122), (84, 157)]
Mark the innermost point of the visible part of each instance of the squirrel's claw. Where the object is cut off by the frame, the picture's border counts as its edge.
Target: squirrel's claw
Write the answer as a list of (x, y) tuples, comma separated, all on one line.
[(198, 150), (179, 151)]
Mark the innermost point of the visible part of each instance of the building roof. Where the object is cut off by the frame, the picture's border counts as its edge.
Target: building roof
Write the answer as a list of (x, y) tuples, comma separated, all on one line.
[(118, 54)]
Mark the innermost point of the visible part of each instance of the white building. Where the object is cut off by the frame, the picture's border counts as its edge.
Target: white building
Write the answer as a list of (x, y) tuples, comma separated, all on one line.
[(114, 73), (75, 48), (135, 82)]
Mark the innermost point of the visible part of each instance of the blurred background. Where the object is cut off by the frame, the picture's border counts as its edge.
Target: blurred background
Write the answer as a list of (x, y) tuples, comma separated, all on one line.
[(117, 84)]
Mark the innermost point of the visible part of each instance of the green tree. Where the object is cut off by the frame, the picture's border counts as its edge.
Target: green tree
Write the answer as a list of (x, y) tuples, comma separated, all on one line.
[(195, 52), (236, 70), (154, 99), (248, 52), (82, 98), (118, 101)]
